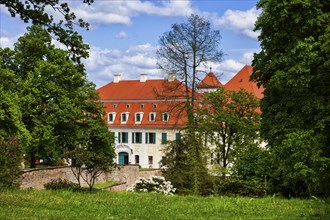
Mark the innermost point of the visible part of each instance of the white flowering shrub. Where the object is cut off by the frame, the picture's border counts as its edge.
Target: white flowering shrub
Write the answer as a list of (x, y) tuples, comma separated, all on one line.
[(152, 184)]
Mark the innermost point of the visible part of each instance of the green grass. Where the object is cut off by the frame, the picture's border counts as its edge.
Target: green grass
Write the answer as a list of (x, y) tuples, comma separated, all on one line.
[(105, 184), (32, 204)]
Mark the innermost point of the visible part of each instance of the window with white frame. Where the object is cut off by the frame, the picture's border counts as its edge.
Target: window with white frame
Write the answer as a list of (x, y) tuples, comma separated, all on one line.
[(150, 138), (152, 116), (138, 117), (111, 117), (166, 116), (124, 117)]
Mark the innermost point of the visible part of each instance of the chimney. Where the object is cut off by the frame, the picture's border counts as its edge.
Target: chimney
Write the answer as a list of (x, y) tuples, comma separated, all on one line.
[(171, 76), (116, 78), (143, 77)]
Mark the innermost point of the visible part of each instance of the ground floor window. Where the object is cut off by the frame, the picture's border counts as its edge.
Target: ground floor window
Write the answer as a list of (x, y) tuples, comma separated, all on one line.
[(150, 160), (137, 159)]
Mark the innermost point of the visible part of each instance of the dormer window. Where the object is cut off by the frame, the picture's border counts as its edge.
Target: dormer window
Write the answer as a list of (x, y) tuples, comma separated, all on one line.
[(154, 105), (138, 117), (165, 116), (128, 105), (114, 106), (124, 117), (111, 117), (152, 116), (142, 106)]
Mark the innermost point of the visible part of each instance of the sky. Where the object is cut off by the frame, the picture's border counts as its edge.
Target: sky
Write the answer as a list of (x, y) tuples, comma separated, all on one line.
[(124, 34)]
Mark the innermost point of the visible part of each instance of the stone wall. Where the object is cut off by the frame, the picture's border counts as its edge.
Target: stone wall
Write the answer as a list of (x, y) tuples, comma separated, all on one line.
[(126, 175)]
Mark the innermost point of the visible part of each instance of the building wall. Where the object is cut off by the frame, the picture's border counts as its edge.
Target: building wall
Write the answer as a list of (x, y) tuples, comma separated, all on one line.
[(143, 150)]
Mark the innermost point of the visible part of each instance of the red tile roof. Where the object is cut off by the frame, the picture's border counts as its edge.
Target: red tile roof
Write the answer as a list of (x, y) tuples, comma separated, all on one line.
[(167, 96), (210, 81), (136, 90), (242, 80)]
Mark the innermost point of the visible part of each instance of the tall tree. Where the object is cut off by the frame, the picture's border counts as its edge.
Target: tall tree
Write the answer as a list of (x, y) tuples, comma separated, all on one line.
[(185, 51), (293, 67), (34, 11), (231, 122), (55, 95)]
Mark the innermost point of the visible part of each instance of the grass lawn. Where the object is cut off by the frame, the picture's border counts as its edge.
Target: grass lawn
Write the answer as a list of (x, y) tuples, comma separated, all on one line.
[(43, 204)]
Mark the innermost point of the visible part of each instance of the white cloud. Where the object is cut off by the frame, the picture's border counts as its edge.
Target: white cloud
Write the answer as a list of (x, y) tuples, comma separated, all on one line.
[(104, 63), (121, 12), (121, 35), (8, 41), (239, 21)]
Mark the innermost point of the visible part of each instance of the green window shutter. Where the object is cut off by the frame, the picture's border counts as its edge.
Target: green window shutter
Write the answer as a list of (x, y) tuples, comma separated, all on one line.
[(126, 134), (133, 137), (119, 137), (147, 138), (164, 138), (177, 136), (154, 139)]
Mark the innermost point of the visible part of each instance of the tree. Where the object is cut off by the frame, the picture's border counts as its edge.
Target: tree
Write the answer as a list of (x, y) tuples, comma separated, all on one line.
[(54, 95), (96, 155), (12, 130), (185, 50), (293, 67), (34, 11), (231, 122)]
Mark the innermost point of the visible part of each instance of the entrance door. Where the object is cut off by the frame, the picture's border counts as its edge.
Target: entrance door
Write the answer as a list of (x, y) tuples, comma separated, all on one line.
[(123, 158)]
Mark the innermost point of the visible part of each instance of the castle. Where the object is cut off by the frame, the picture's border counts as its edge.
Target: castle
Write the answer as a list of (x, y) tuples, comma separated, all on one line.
[(140, 113)]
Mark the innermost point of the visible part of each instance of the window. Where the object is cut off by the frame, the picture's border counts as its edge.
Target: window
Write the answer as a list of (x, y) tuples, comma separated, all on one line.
[(128, 105), (177, 136), (142, 106), (137, 159), (150, 138), (165, 117), (150, 160), (122, 137), (137, 137), (111, 117), (124, 117), (152, 116), (138, 117), (114, 106), (164, 138), (154, 105)]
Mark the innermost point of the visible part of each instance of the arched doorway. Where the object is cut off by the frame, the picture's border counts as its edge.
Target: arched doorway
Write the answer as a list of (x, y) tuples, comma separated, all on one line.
[(123, 158)]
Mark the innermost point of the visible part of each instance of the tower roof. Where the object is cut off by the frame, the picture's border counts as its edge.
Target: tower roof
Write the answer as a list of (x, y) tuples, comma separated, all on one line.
[(210, 81)]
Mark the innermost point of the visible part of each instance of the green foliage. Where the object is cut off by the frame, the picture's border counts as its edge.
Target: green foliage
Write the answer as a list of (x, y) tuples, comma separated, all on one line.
[(59, 204), (60, 184), (305, 169), (182, 167), (58, 105), (11, 156), (238, 187), (252, 163), (176, 165), (230, 121), (34, 11), (96, 154), (293, 66)]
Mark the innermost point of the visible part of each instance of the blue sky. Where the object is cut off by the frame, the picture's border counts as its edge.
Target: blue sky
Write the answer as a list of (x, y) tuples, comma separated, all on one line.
[(124, 34)]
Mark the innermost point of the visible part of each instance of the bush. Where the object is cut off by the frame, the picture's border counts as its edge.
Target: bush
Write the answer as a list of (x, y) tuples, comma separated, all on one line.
[(11, 156), (60, 184), (234, 186), (152, 184)]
